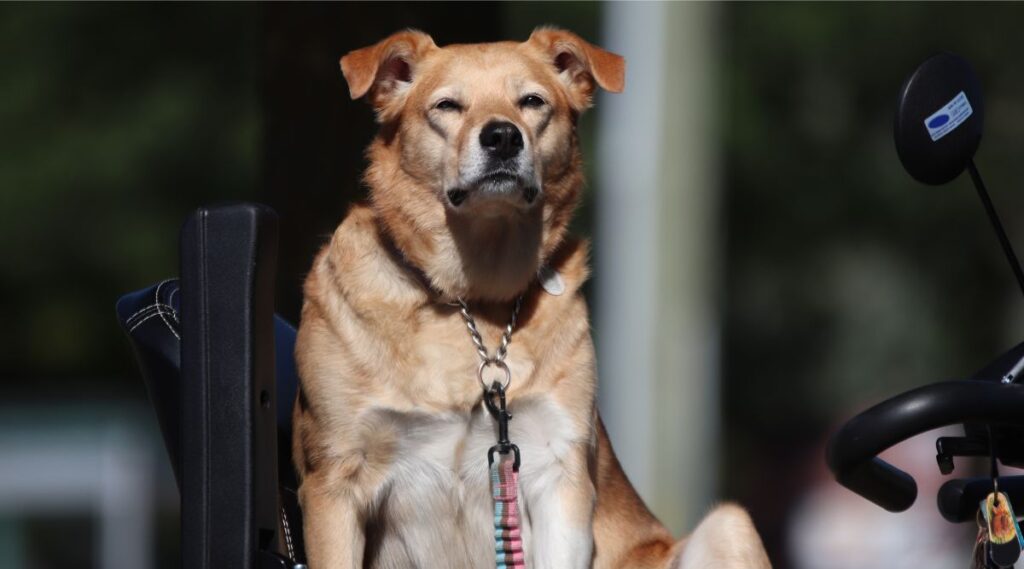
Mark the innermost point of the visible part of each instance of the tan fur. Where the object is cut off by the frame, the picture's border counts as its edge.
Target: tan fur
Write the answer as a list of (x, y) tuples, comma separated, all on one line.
[(390, 435)]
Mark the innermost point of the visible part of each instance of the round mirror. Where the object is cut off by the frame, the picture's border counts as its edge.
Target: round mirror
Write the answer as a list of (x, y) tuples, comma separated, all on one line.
[(939, 119)]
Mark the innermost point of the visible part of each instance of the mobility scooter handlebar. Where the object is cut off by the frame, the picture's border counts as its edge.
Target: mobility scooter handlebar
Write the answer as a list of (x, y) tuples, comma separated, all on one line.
[(853, 450)]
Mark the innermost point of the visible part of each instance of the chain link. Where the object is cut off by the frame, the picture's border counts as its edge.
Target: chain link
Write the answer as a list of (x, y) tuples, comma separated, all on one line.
[(486, 359)]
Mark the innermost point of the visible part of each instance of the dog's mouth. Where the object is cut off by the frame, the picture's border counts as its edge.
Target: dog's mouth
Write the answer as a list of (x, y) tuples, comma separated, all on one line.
[(498, 178), (502, 185)]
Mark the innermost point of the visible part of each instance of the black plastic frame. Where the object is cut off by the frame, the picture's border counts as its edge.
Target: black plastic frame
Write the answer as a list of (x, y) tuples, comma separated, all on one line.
[(228, 428)]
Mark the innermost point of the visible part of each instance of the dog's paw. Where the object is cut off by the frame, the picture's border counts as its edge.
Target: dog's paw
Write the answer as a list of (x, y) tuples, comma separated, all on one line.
[(724, 539)]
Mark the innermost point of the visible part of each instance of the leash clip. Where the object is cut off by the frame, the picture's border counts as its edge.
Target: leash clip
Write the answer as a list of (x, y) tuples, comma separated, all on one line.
[(500, 412), (504, 450)]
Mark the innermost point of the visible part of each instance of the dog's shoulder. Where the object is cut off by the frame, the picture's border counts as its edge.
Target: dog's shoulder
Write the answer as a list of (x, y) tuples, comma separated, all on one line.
[(359, 263), (354, 244)]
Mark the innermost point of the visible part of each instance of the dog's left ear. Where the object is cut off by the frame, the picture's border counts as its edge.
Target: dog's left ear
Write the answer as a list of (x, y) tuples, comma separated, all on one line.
[(385, 69), (581, 65)]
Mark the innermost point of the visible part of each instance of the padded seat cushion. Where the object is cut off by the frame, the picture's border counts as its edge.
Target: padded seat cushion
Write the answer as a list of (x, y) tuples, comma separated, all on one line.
[(151, 319)]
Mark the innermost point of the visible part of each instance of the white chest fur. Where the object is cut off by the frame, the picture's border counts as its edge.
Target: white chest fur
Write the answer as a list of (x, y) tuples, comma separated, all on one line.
[(435, 508)]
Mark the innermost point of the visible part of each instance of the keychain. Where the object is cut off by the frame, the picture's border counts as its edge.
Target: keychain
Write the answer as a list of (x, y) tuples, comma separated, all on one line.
[(999, 541), (1003, 534)]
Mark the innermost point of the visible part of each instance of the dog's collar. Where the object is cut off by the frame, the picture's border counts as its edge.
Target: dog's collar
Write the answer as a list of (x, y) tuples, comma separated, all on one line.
[(418, 274), (547, 277)]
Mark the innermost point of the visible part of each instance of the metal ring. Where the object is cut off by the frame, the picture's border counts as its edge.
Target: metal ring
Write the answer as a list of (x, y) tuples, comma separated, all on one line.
[(500, 364)]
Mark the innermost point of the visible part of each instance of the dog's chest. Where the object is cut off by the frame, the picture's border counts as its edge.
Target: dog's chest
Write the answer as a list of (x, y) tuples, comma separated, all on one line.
[(435, 508)]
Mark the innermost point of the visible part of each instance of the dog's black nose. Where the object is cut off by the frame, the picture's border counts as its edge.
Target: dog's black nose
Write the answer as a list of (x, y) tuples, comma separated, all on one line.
[(502, 139)]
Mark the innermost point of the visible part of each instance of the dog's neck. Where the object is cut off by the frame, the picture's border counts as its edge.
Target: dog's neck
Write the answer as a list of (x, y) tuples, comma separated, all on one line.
[(465, 256)]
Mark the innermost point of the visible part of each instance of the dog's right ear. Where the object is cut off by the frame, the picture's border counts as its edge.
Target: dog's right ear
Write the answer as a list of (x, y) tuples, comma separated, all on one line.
[(384, 70)]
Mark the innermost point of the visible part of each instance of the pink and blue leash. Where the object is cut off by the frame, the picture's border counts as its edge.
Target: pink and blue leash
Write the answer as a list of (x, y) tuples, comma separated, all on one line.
[(508, 537)]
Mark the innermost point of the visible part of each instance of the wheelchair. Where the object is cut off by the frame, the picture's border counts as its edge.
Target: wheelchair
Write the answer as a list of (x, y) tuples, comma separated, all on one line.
[(938, 129), (220, 372)]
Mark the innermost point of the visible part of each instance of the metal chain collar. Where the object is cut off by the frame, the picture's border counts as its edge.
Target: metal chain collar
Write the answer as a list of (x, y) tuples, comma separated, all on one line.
[(487, 360)]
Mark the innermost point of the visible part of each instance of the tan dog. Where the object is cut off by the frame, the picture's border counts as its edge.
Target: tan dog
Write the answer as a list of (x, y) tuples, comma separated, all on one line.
[(473, 179)]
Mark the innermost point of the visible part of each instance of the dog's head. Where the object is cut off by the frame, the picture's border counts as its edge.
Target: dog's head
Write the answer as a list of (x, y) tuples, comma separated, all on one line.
[(476, 168)]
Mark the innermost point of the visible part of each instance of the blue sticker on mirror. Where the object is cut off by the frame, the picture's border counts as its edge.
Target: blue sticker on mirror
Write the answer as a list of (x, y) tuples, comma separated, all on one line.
[(950, 116)]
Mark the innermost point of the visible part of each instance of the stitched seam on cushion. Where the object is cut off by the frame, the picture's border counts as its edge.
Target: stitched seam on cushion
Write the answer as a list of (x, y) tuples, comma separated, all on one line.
[(138, 312), (151, 308), (160, 312), (150, 311), (143, 320), (141, 313)]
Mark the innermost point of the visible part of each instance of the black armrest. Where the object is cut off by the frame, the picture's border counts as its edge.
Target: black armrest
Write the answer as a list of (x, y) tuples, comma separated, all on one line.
[(228, 435)]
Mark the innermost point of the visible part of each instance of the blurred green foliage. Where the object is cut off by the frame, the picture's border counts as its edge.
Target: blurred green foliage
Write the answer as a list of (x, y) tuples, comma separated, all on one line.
[(116, 120)]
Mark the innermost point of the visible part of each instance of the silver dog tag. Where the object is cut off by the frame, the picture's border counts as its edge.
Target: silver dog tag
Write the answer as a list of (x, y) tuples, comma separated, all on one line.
[(551, 281)]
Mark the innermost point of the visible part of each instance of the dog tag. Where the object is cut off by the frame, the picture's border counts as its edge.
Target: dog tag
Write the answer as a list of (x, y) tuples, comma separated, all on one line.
[(1004, 539), (551, 281)]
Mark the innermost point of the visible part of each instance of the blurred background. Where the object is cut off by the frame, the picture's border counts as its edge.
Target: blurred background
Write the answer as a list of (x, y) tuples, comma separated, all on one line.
[(764, 269)]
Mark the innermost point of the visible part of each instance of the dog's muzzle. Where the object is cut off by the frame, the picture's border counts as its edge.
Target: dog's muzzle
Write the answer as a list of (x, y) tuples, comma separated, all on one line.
[(499, 170)]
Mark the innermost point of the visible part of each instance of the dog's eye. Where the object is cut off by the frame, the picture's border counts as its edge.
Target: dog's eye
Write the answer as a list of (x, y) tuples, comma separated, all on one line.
[(531, 102), (447, 105)]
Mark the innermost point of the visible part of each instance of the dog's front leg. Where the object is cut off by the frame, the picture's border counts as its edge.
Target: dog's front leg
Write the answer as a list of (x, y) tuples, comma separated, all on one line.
[(334, 537), (562, 513)]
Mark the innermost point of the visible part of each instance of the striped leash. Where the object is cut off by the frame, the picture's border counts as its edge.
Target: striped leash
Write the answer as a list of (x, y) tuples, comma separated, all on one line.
[(508, 541)]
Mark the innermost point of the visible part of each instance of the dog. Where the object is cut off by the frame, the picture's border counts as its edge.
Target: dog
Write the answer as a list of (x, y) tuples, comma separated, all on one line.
[(473, 177)]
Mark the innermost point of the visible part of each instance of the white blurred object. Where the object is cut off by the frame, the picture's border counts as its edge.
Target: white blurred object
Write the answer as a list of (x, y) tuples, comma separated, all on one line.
[(836, 529), (833, 528), (656, 319), (66, 461)]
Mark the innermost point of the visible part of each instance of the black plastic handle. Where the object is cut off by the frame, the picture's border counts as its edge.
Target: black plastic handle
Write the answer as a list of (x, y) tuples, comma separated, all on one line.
[(958, 499), (853, 450)]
